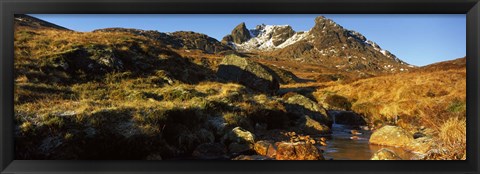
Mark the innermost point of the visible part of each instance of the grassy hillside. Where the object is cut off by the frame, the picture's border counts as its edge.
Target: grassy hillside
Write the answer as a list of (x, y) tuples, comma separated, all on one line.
[(77, 92), (432, 97)]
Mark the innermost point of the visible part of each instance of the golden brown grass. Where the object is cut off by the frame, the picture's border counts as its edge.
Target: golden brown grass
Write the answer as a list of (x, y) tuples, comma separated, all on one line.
[(411, 94), (434, 99)]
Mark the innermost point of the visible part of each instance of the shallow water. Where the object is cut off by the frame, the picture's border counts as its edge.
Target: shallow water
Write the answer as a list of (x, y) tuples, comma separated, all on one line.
[(341, 147)]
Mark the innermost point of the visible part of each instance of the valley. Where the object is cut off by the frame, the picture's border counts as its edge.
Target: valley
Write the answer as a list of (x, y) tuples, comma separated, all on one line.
[(268, 93)]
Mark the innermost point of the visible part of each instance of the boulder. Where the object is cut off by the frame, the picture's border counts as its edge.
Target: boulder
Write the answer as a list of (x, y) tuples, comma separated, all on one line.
[(210, 151), (309, 126), (391, 136), (297, 151), (385, 154), (240, 136), (249, 73), (265, 148), (301, 106)]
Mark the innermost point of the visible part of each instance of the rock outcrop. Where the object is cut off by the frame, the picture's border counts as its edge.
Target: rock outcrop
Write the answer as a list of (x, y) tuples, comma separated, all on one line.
[(301, 106), (240, 34), (247, 72)]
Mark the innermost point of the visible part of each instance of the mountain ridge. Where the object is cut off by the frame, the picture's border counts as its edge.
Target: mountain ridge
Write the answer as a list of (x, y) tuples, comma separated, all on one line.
[(325, 42)]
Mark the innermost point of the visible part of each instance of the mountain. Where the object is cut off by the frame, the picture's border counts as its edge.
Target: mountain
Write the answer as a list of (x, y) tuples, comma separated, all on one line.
[(327, 43), (180, 95)]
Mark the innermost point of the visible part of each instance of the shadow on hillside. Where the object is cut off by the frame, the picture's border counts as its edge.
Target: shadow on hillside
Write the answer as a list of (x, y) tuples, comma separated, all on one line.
[(305, 91), (95, 62)]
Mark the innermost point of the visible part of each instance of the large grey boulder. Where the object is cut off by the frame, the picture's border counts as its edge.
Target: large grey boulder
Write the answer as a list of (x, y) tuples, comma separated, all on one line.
[(249, 73)]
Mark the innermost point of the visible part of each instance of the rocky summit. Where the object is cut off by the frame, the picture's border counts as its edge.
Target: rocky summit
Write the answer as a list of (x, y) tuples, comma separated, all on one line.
[(326, 43)]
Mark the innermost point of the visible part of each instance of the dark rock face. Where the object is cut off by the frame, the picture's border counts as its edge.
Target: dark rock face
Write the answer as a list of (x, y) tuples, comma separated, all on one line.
[(240, 33), (281, 34), (248, 73)]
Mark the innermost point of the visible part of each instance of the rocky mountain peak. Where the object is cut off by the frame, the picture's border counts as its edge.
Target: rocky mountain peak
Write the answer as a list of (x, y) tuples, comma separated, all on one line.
[(262, 37), (240, 33)]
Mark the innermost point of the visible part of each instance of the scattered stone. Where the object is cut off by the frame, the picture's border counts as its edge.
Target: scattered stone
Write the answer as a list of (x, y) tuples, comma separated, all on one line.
[(297, 151), (385, 154)]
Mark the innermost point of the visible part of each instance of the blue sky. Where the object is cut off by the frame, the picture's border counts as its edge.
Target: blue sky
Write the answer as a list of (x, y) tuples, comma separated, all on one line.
[(416, 39)]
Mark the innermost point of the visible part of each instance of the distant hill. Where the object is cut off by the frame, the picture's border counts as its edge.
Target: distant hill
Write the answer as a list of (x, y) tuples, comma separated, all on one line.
[(32, 22), (180, 40), (445, 65)]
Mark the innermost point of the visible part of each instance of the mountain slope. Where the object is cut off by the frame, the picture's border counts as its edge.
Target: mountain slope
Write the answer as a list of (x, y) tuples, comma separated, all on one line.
[(327, 43), (32, 22)]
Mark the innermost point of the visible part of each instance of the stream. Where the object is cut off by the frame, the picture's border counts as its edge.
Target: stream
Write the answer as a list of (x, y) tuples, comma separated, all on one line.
[(340, 145)]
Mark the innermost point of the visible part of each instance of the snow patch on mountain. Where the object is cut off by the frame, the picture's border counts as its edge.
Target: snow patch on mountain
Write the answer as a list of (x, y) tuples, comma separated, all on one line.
[(262, 38), (295, 38)]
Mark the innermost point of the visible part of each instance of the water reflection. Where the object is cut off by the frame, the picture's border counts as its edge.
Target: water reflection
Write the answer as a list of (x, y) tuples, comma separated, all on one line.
[(342, 147)]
